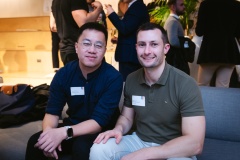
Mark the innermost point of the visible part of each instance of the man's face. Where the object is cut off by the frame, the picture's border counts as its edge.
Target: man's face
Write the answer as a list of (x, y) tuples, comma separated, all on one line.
[(180, 8), (90, 48), (150, 48)]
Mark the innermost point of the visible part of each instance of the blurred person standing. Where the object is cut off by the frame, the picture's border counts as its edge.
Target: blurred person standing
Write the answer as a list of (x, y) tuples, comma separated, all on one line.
[(218, 52), (122, 8), (55, 43), (69, 16), (125, 52), (174, 31)]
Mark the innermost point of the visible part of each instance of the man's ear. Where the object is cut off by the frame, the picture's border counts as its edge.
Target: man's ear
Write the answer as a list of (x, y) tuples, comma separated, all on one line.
[(166, 48), (172, 7), (76, 46)]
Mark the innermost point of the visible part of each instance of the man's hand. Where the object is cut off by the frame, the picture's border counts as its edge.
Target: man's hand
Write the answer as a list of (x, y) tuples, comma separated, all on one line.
[(109, 9), (53, 29), (97, 5), (53, 154), (50, 139), (103, 137)]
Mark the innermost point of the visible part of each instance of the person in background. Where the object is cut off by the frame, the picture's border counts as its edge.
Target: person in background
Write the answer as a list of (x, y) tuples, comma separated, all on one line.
[(69, 16), (218, 52), (55, 43), (175, 30), (91, 88), (102, 16), (122, 8), (164, 102), (125, 52)]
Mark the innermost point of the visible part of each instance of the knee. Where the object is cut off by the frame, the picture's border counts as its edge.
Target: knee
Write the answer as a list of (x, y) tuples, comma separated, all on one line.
[(96, 149), (33, 139), (31, 151), (99, 147), (100, 151)]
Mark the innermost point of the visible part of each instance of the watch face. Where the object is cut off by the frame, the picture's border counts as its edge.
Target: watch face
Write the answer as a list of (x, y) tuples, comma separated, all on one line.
[(70, 132)]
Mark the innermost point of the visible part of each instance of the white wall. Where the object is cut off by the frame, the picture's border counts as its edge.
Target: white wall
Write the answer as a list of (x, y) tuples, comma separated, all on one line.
[(32, 8), (21, 8)]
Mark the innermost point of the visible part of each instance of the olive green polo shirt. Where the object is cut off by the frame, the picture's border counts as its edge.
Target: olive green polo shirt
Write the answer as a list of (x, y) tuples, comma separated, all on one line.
[(159, 108)]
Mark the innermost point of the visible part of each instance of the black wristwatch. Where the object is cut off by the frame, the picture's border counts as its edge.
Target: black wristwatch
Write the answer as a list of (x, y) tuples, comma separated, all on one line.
[(69, 132)]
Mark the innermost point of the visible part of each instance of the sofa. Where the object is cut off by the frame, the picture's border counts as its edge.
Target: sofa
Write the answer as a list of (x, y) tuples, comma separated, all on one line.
[(222, 140), (222, 111)]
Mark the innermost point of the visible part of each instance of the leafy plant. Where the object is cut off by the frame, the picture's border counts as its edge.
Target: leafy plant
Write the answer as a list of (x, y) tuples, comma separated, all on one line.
[(160, 13)]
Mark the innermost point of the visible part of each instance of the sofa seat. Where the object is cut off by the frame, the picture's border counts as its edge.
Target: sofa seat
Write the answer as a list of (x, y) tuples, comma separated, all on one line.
[(13, 140)]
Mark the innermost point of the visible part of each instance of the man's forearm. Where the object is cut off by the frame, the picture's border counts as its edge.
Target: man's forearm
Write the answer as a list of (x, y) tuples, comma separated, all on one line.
[(123, 124), (50, 121), (180, 147), (86, 127), (93, 16)]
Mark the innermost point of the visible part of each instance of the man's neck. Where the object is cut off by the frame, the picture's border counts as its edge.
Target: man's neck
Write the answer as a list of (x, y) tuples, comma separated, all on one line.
[(152, 75), (86, 70)]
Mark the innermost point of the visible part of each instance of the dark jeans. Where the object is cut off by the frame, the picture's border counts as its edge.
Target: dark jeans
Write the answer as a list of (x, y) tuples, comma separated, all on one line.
[(125, 68), (78, 147), (55, 49), (68, 57)]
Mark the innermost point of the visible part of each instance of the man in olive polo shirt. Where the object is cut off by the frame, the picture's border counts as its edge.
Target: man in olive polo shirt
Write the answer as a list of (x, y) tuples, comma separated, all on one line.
[(167, 106)]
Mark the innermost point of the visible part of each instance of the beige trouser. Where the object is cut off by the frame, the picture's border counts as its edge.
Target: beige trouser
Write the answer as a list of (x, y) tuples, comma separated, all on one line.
[(223, 74)]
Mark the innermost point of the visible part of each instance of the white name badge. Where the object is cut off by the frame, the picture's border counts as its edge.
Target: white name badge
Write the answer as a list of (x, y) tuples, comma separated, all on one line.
[(77, 91), (138, 101)]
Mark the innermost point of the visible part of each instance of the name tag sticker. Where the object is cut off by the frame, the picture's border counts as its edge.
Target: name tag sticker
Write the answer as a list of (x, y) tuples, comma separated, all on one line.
[(138, 101), (77, 91)]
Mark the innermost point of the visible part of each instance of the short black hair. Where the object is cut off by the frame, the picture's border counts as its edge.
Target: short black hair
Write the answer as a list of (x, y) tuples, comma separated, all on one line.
[(93, 26), (152, 26), (171, 2)]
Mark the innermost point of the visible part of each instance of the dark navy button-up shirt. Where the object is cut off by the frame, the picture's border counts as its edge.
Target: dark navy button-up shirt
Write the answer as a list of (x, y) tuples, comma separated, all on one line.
[(96, 97)]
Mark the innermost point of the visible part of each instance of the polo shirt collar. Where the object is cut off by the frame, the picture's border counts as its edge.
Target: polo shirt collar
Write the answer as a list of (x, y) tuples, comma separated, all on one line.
[(163, 78), (141, 79)]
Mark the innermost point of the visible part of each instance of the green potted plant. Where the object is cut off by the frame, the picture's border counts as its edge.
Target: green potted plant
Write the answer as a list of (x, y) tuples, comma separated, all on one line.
[(161, 12)]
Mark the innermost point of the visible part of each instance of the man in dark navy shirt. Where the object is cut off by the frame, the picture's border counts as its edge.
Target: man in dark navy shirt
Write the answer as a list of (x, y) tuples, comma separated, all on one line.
[(91, 88)]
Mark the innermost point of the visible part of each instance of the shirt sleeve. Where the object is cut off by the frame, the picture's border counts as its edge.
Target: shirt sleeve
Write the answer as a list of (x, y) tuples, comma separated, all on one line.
[(79, 5), (57, 98), (190, 99), (109, 101)]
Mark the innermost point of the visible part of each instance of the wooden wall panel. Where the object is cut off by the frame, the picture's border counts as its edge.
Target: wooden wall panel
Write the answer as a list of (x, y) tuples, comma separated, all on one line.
[(30, 33), (24, 24)]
